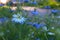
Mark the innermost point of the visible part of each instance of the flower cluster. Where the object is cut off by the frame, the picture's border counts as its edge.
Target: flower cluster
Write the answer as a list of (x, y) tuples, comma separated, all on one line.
[(18, 18)]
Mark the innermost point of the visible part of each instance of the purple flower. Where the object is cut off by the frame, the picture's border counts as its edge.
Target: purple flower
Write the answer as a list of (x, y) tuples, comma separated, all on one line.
[(47, 7), (1, 4), (54, 11)]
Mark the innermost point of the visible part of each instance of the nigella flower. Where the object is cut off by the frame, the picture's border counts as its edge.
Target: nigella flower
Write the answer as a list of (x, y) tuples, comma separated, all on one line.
[(1, 4), (36, 25), (18, 18), (47, 7), (26, 1), (3, 19), (14, 16), (54, 11), (35, 12), (34, 3)]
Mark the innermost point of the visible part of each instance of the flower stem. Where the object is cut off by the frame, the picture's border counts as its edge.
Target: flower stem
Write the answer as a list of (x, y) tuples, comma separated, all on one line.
[(3, 38), (45, 36)]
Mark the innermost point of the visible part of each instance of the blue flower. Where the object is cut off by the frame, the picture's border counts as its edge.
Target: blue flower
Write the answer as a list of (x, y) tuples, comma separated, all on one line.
[(26, 0), (1, 4), (18, 19), (38, 25), (47, 7), (35, 12), (54, 11), (14, 16), (3, 19), (34, 2)]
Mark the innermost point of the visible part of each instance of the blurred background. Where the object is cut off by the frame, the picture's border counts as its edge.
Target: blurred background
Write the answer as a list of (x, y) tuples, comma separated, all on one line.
[(29, 19)]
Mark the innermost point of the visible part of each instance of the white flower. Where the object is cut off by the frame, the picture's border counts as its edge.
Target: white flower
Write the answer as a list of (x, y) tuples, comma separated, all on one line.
[(51, 33), (18, 18), (17, 15), (22, 20)]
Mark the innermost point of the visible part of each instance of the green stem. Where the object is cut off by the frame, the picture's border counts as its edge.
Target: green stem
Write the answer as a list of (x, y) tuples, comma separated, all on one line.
[(45, 36), (3, 38), (18, 6)]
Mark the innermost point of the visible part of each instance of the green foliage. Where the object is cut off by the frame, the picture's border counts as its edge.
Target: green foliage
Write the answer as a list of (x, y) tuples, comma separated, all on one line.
[(5, 12)]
